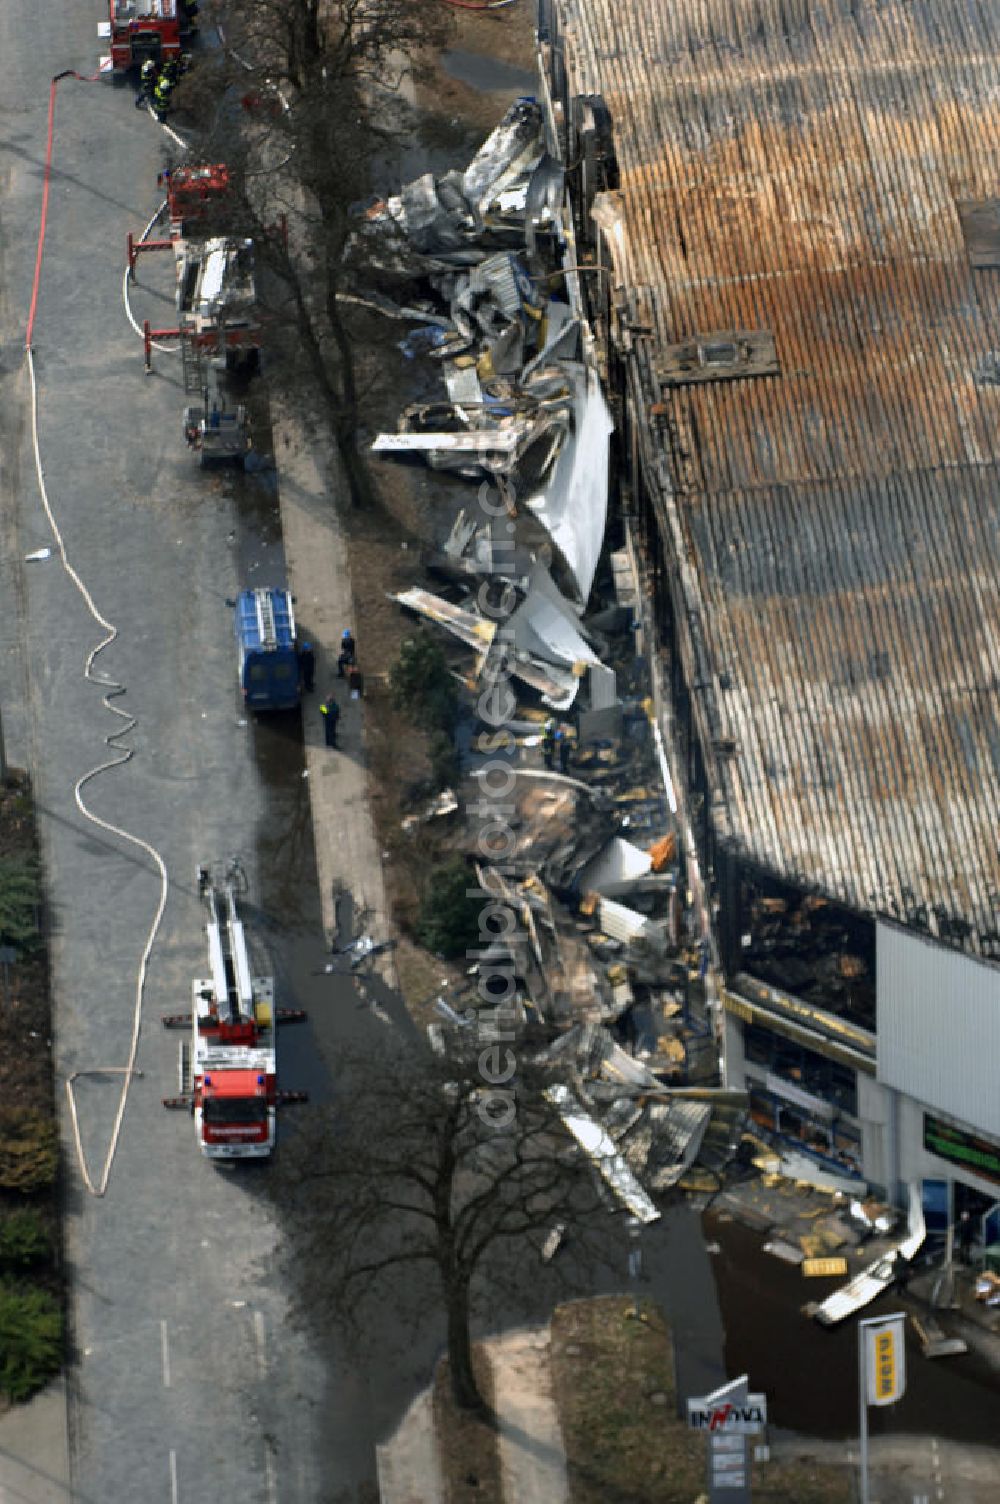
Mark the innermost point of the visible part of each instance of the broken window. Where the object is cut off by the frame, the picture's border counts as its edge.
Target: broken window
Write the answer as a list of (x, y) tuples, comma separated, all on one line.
[(808, 946)]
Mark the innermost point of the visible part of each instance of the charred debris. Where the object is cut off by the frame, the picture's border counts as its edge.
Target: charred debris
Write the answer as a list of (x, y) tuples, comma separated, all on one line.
[(565, 822)]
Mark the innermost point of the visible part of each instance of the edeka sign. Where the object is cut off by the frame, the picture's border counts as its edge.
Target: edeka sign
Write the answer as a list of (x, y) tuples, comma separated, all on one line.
[(885, 1360), (744, 1419), (973, 1154)]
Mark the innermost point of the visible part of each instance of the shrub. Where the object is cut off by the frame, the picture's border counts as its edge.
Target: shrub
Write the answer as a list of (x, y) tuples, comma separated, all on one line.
[(19, 898), (443, 756), (31, 1339), (422, 684), (24, 1239), (29, 1150), (448, 923)]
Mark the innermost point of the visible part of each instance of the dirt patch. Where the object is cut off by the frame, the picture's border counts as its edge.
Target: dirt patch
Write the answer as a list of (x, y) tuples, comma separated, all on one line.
[(454, 112), (470, 1459), (613, 1379)]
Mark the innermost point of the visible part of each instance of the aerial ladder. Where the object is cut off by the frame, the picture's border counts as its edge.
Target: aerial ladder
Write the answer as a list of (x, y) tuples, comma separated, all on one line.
[(228, 1067)]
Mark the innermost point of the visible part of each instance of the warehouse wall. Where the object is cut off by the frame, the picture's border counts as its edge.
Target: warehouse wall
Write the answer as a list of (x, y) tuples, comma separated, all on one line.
[(939, 1027)]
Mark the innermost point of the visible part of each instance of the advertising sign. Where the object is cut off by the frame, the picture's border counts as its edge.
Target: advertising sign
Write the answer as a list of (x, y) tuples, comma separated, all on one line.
[(745, 1419), (727, 1417), (965, 1149), (885, 1360)]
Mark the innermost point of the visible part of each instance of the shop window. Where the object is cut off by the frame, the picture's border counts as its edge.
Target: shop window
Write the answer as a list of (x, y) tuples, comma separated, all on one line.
[(822, 1078), (837, 1144)]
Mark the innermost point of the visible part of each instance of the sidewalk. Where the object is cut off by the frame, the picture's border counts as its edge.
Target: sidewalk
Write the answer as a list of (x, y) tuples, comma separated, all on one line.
[(34, 1450), (348, 858), (532, 1456)]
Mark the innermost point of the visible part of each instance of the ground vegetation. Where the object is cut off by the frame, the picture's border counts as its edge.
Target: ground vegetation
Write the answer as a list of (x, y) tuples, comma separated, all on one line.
[(31, 1292)]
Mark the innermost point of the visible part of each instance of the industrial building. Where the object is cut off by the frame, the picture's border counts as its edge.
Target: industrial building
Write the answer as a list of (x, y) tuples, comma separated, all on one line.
[(791, 214)]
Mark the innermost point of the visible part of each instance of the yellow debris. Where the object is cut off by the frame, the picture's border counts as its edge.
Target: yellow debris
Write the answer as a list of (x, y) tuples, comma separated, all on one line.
[(824, 1268)]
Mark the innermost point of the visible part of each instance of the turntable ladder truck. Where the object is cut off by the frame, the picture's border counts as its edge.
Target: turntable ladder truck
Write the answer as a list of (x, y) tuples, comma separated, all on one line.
[(228, 1069)]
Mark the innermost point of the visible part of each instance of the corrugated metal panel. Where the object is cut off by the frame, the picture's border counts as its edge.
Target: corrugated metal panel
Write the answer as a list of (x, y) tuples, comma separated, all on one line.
[(797, 169), (939, 1027)]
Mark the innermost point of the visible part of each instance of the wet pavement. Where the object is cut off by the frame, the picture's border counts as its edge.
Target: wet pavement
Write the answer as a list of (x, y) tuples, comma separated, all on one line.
[(488, 74), (810, 1373)]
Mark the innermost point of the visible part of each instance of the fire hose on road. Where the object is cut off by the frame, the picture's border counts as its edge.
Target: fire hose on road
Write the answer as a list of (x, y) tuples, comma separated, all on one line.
[(112, 690)]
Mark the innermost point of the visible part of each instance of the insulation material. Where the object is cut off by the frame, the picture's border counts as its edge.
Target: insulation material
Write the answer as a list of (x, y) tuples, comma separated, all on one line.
[(617, 869), (574, 507), (475, 631), (542, 631), (600, 1148)]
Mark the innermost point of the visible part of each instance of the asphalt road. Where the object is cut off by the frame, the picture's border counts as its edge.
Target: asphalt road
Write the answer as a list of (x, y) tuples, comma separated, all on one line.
[(189, 1375)]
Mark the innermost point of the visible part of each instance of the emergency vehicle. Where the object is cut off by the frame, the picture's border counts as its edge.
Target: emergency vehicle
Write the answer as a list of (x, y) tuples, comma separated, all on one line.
[(267, 649), (141, 29), (228, 1070), (198, 195)]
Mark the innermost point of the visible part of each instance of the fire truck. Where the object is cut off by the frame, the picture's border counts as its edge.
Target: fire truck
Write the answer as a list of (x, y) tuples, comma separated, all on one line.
[(217, 301), (217, 327), (198, 195), (228, 1068), (141, 29)]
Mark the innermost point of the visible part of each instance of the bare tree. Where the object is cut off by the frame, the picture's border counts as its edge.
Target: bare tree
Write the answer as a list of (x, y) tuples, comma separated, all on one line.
[(319, 80), (430, 1163)]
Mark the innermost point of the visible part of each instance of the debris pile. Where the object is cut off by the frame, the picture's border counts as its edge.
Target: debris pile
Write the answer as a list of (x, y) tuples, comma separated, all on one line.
[(604, 982), (522, 401)]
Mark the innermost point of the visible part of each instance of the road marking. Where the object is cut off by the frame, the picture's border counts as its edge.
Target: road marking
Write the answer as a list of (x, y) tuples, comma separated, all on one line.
[(270, 1476), (258, 1331), (165, 1354), (173, 1476)]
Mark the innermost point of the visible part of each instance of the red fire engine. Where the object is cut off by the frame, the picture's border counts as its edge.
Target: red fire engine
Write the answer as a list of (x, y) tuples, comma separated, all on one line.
[(228, 1071), (141, 29), (197, 195)]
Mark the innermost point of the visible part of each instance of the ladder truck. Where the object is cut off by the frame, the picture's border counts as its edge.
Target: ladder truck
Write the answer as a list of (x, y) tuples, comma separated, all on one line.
[(228, 1068)]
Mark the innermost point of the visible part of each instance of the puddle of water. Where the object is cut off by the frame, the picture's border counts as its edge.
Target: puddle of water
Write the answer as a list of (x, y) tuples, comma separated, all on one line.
[(810, 1374), (488, 74)]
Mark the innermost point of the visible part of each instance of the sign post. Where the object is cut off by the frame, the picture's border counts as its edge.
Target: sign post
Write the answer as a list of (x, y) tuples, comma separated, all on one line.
[(729, 1415), (881, 1375)]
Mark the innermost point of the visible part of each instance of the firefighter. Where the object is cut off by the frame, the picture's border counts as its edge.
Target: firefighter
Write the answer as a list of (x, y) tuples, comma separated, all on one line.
[(330, 711), (161, 97), (147, 83), (307, 666), (549, 743), (565, 746), (171, 71), (348, 652)]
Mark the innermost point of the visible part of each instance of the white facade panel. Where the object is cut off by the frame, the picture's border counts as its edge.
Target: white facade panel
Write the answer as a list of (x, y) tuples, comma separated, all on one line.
[(939, 1027)]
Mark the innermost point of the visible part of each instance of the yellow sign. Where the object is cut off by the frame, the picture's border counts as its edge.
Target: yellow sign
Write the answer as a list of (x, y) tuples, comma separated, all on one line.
[(823, 1268), (886, 1360)]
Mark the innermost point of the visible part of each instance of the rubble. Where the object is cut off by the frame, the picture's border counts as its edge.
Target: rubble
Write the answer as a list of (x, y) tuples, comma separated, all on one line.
[(590, 868), (878, 1275)]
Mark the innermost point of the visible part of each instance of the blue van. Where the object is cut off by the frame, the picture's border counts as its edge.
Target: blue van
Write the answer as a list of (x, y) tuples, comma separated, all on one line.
[(268, 657)]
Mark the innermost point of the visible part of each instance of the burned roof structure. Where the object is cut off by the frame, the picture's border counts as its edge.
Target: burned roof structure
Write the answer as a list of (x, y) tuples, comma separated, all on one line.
[(804, 257)]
